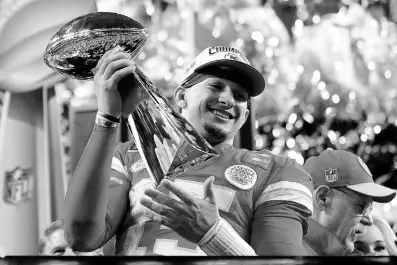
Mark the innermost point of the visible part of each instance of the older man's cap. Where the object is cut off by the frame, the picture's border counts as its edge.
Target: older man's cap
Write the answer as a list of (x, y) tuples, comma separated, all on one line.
[(338, 168)]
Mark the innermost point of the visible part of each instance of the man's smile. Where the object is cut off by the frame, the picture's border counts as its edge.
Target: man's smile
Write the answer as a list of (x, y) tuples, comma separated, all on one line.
[(221, 113)]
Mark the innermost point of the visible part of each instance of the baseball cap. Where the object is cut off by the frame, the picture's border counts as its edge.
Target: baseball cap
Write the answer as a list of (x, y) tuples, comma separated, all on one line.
[(338, 168), (227, 59)]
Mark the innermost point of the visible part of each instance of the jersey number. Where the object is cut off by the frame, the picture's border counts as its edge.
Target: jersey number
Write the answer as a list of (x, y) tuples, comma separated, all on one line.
[(170, 246), (168, 242)]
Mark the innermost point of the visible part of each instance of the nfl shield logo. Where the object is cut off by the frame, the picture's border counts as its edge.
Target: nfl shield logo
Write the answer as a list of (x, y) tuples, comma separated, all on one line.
[(331, 175), (18, 185)]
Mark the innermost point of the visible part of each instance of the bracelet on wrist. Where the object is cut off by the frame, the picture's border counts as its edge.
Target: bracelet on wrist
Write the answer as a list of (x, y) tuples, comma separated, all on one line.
[(105, 123), (108, 117)]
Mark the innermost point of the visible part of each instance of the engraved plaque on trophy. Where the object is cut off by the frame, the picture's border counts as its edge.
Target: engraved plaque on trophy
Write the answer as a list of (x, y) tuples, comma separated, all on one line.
[(167, 142)]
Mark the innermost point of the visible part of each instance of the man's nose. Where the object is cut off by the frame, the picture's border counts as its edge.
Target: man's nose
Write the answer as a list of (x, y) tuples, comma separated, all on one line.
[(226, 97), (367, 219)]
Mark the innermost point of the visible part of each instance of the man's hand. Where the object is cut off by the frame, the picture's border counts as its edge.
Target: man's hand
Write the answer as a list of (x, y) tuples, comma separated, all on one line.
[(111, 68), (190, 217)]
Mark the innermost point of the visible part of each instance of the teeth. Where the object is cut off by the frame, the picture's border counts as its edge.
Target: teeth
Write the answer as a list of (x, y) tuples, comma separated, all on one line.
[(221, 114)]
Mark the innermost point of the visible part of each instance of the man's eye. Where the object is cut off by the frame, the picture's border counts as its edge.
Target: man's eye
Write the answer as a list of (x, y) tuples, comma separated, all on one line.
[(215, 86), (361, 208), (240, 97)]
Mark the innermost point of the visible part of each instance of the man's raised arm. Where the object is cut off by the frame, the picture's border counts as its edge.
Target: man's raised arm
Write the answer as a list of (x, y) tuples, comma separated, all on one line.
[(90, 215)]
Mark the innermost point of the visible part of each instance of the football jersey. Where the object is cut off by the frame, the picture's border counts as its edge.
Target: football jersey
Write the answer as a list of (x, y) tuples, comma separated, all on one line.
[(243, 181)]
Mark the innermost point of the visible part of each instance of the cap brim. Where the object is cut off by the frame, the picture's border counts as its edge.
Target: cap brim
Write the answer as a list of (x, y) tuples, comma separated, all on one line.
[(379, 193), (258, 82)]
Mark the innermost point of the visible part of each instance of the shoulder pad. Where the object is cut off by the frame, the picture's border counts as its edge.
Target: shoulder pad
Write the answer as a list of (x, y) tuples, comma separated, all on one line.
[(262, 158)]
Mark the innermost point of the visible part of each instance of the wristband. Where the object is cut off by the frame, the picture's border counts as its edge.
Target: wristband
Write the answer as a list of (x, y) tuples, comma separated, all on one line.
[(105, 123), (108, 117), (210, 234), (223, 240)]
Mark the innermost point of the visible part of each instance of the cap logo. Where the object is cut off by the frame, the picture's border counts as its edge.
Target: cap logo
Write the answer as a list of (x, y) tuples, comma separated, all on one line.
[(232, 56), (243, 177), (331, 175), (364, 166)]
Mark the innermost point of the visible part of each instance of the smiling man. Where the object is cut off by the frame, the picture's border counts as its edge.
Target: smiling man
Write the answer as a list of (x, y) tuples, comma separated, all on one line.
[(240, 203), (343, 196)]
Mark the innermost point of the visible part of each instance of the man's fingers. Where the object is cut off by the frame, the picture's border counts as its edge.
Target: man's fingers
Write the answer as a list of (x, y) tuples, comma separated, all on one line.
[(209, 190), (111, 58), (117, 65), (179, 192), (164, 199), (158, 208), (119, 74), (99, 63), (104, 56), (158, 218)]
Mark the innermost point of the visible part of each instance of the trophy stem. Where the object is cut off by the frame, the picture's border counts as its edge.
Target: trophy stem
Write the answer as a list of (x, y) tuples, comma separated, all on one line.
[(138, 142), (167, 143)]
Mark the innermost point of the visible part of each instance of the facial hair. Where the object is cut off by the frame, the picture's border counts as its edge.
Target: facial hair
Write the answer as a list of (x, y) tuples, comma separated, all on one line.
[(216, 135)]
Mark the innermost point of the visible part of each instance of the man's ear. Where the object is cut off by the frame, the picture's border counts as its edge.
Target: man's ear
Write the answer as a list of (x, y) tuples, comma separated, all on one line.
[(247, 112), (322, 197), (180, 97)]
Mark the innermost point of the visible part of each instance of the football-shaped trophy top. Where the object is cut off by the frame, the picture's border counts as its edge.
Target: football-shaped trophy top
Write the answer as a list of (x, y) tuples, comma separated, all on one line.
[(76, 48)]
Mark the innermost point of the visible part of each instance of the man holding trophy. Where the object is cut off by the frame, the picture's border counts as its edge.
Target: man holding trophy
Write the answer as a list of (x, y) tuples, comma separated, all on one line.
[(231, 202), (264, 197)]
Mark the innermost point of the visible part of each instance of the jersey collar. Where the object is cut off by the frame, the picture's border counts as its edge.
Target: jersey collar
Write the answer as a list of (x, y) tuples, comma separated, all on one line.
[(222, 147)]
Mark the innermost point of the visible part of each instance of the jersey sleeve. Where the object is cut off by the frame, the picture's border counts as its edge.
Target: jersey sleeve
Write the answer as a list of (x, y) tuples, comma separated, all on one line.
[(283, 204), (119, 164), (87, 199), (288, 182), (119, 187)]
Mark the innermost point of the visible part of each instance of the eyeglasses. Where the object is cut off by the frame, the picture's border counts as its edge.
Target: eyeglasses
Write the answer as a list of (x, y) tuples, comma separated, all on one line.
[(362, 209)]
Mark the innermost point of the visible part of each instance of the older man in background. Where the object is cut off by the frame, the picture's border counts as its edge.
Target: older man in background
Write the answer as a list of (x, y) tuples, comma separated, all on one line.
[(342, 202)]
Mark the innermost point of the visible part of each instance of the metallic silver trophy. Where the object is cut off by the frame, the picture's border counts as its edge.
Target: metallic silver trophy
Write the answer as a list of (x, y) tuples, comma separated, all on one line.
[(167, 143)]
